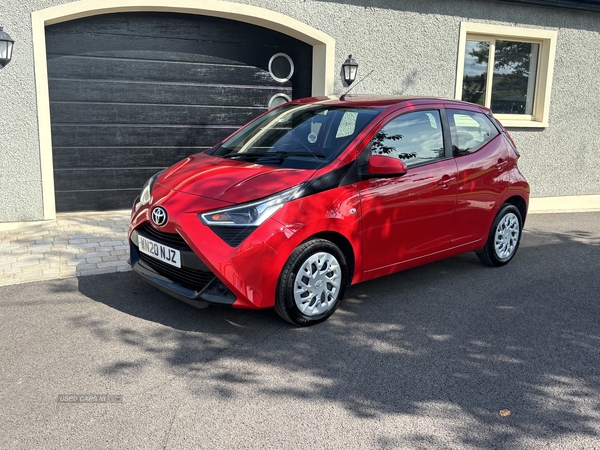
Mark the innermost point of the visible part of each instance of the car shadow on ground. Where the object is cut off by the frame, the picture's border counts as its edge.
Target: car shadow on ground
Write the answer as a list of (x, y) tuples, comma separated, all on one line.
[(452, 336)]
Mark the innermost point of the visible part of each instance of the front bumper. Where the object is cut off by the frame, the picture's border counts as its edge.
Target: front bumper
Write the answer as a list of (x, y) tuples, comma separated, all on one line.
[(193, 283), (223, 271)]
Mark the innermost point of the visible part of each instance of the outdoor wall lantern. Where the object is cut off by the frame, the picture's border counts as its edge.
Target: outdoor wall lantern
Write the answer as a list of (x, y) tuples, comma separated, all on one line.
[(350, 67), (6, 47)]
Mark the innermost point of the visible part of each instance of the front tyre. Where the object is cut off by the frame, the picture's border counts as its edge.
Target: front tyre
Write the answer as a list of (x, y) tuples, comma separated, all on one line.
[(504, 238), (312, 283)]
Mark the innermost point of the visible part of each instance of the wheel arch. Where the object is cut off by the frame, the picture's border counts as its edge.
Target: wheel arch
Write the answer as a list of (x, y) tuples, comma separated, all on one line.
[(520, 204), (344, 245)]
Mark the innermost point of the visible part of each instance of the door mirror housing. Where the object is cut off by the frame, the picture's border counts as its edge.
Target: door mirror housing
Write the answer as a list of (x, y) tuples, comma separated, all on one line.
[(385, 167)]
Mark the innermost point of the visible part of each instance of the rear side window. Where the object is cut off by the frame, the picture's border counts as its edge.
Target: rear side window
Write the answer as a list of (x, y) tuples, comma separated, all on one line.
[(472, 131), (415, 137)]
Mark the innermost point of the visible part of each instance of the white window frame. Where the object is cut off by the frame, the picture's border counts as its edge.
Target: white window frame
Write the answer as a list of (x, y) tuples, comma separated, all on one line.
[(545, 67)]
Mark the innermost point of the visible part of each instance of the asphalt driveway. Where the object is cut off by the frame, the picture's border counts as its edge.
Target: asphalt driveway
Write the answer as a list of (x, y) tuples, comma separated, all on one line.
[(427, 358)]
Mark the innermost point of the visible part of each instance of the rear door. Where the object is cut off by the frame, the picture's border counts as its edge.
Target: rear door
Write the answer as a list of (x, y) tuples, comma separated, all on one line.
[(482, 159), (409, 216)]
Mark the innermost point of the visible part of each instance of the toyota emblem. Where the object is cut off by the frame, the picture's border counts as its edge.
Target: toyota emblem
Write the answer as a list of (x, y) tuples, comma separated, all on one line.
[(159, 216)]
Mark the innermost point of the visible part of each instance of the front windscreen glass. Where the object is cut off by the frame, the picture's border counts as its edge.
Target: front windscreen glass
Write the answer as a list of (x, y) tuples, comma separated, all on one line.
[(297, 136)]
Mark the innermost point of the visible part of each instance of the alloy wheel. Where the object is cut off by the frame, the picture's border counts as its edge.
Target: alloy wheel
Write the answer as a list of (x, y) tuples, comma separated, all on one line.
[(507, 236), (317, 284)]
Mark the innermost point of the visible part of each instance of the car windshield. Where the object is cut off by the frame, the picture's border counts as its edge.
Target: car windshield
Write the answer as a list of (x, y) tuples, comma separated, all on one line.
[(297, 136)]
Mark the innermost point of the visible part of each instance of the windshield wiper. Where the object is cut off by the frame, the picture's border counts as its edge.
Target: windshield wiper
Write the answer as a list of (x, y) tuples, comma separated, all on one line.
[(271, 155)]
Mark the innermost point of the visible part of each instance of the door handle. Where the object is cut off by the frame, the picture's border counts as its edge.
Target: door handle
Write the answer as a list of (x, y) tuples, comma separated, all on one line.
[(446, 182), (501, 165)]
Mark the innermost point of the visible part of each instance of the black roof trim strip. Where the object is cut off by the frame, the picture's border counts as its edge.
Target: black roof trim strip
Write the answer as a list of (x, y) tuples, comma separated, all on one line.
[(582, 5)]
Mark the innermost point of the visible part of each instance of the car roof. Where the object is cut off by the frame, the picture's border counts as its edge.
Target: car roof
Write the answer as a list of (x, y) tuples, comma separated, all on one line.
[(388, 101)]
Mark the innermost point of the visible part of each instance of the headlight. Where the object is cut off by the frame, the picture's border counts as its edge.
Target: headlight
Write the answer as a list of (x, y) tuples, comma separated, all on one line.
[(146, 194), (251, 214)]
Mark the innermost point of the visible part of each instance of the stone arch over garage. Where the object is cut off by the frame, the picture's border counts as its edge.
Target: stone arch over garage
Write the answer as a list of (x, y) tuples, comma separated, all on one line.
[(322, 57)]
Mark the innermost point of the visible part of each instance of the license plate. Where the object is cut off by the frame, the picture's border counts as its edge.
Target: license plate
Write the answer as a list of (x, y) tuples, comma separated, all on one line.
[(159, 251)]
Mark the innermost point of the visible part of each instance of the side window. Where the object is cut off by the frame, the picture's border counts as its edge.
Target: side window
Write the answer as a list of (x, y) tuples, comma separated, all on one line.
[(415, 137), (473, 131)]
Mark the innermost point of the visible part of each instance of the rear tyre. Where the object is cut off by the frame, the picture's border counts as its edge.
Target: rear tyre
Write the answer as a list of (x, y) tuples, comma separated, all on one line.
[(312, 283), (505, 236)]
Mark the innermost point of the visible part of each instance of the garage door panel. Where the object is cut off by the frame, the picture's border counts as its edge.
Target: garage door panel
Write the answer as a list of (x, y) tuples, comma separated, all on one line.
[(93, 68), (302, 72), (115, 113), (124, 157), (138, 136), (103, 179), (96, 200), (132, 93), (174, 26), (164, 49), (162, 93)]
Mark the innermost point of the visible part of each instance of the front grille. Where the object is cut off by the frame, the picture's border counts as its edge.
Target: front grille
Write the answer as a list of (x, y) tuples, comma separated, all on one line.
[(193, 279), (233, 236), (189, 277), (159, 236)]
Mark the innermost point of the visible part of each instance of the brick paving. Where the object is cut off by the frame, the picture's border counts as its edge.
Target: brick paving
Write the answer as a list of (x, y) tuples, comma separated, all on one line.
[(76, 244)]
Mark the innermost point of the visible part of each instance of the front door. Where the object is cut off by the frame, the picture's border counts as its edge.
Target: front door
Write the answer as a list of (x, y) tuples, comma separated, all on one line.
[(409, 216)]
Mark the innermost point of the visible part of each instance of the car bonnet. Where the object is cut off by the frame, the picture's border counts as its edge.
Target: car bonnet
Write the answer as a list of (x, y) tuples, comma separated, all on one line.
[(229, 181)]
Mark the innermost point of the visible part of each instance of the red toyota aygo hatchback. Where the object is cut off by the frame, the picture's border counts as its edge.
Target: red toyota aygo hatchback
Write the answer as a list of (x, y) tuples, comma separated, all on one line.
[(321, 193)]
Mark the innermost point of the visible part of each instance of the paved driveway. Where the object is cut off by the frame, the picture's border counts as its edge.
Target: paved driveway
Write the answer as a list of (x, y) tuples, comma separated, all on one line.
[(422, 359)]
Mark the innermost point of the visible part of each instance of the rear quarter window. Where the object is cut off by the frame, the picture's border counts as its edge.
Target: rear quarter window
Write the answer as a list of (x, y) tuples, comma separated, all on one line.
[(471, 131)]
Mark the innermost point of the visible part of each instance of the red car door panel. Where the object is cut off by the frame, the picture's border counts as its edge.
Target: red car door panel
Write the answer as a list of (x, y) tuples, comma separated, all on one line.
[(409, 216), (483, 161)]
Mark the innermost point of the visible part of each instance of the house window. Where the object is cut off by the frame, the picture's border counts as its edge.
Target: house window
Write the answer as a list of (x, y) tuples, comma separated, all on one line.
[(508, 70)]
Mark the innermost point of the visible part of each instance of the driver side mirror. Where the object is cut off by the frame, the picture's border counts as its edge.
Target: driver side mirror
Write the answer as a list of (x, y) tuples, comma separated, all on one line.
[(385, 167)]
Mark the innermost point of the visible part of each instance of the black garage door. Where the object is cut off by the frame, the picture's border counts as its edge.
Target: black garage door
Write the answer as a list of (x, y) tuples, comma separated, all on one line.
[(133, 93)]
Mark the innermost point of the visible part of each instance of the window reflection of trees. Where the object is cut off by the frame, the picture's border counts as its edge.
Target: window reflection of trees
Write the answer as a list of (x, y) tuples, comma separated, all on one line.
[(380, 147), (509, 56), (513, 64), (379, 143), (424, 143)]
